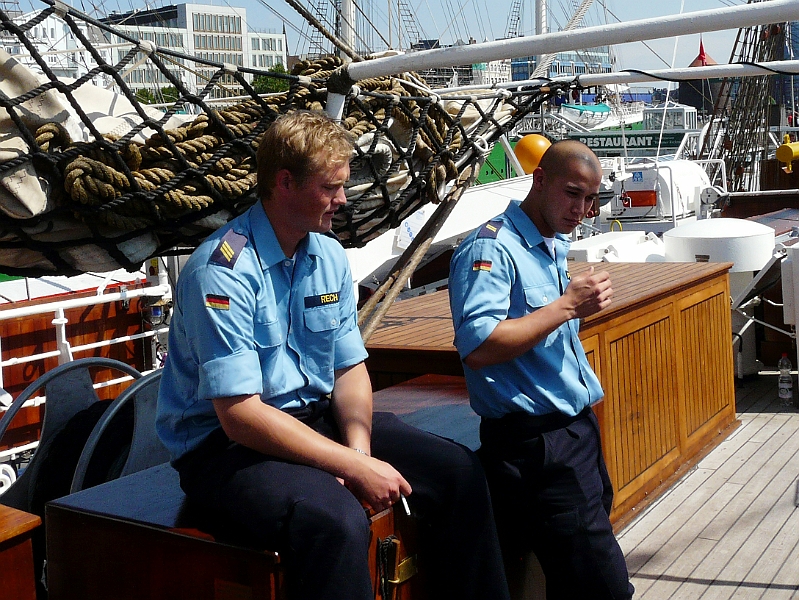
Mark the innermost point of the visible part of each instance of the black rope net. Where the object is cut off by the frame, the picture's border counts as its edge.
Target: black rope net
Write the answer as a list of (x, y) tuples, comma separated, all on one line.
[(77, 194)]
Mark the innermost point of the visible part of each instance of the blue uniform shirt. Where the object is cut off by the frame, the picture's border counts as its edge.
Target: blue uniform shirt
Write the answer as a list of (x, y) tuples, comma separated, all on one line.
[(504, 271), (247, 320)]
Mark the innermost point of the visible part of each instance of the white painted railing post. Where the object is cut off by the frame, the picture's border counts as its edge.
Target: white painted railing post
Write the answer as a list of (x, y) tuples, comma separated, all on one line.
[(64, 349)]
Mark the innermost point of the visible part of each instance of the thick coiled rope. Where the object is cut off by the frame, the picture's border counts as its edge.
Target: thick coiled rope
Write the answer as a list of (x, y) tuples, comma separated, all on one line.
[(96, 178)]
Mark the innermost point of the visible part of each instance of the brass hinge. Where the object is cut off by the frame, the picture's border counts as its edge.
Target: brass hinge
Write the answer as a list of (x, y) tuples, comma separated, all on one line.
[(404, 570)]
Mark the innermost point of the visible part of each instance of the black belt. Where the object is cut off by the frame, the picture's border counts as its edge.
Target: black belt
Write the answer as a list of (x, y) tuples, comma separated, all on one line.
[(522, 425)]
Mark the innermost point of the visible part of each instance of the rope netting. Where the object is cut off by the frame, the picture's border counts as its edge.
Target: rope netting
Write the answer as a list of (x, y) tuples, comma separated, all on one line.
[(91, 189)]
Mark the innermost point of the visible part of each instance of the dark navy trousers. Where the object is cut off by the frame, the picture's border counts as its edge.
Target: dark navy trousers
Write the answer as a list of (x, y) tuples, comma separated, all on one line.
[(321, 529), (552, 495)]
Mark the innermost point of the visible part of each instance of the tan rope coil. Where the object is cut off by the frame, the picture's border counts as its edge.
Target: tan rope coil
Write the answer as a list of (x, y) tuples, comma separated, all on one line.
[(94, 179)]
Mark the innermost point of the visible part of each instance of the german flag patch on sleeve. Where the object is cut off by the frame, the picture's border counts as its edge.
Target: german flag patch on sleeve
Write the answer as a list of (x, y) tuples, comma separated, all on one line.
[(481, 265), (217, 302)]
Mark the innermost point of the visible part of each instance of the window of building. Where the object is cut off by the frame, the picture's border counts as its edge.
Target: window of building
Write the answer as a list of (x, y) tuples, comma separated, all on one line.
[(256, 44)]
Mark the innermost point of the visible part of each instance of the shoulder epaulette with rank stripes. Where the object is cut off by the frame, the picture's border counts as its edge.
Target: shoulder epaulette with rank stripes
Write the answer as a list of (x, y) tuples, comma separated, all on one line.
[(490, 229), (229, 249)]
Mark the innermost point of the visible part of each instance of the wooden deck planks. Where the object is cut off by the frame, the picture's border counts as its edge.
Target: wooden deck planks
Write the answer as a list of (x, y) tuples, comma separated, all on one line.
[(728, 529)]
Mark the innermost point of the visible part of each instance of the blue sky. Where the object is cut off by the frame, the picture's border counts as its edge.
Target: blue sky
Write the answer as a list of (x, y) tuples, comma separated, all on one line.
[(452, 19), (488, 19)]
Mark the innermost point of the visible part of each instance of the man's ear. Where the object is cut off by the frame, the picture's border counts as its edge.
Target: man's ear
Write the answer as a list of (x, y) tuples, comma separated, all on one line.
[(284, 180), (538, 179)]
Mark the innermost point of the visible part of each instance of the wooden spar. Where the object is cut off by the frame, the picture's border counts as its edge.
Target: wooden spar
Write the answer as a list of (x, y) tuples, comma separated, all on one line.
[(372, 312), (686, 74), (774, 11), (681, 74)]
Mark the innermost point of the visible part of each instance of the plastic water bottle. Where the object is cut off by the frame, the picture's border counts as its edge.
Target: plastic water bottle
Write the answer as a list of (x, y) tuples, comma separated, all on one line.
[(785, 381)]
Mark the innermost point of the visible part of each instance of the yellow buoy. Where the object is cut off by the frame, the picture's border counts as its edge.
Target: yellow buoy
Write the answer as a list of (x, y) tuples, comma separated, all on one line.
[(529, 151)]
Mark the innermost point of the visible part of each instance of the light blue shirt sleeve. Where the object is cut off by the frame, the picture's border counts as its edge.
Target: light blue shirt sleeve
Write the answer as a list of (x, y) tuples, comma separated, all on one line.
[(350, 349), (220, 336), (481, 277)]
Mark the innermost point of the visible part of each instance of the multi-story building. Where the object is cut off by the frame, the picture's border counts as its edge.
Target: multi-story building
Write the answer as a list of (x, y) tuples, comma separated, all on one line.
[(592, 60), (219, 34), (495, 71), (58, 47), (487, 73)]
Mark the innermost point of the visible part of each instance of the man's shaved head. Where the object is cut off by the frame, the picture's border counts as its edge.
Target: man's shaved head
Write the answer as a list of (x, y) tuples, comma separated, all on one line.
[(562, 153)]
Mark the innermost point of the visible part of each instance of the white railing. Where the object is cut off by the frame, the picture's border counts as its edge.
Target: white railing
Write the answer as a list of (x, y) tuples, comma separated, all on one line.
[(66, 350)]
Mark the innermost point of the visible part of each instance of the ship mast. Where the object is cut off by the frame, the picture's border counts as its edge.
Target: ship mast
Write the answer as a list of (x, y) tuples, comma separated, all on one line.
[(347, 28), (541, 25), (541, 17)]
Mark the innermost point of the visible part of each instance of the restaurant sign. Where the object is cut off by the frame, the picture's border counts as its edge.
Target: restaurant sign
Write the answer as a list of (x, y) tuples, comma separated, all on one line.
[(637, 140)]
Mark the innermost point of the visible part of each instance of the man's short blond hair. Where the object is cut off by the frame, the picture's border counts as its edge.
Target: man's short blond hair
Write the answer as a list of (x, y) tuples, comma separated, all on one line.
[(304, 142)]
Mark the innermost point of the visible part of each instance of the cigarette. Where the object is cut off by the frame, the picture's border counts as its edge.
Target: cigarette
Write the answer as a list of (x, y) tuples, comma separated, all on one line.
[(405, 504)]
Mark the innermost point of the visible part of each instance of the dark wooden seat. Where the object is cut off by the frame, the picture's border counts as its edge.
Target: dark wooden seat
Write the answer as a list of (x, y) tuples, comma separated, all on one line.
[(137, 537), (16, 553)]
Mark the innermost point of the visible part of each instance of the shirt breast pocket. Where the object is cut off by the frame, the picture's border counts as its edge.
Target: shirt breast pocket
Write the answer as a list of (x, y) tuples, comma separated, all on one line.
[(538, 296), (321, 324), (268, 338)]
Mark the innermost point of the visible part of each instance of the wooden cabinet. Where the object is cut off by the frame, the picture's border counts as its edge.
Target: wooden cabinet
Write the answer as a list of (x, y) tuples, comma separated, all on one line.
[(663, 352), (665, 362)]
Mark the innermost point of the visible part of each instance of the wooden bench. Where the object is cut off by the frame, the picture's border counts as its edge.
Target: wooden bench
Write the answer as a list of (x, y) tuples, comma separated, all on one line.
[(135, 538), (16, 554)]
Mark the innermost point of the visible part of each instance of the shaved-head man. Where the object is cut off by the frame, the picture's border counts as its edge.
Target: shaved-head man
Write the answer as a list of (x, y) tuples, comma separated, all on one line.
[(516, 314)]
